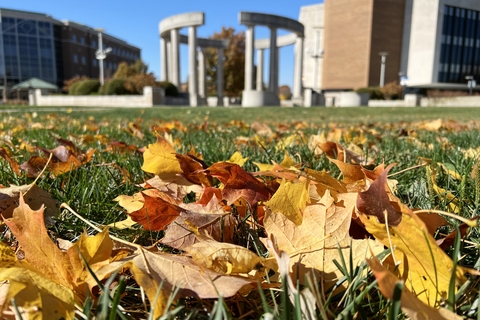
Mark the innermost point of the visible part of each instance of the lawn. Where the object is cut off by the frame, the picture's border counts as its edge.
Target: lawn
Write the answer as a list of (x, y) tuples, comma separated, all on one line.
[(346, 182)]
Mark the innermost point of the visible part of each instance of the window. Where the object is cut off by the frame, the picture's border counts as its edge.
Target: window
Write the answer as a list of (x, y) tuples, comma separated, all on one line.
[(95, 62), (74, 38), (94, 44), (84, 61), (75, 58), (82, 40), (460, 51)]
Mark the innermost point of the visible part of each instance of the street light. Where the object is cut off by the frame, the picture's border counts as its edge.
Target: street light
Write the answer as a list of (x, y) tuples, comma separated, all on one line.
[(382, 68), (471, 84), (101, 54)]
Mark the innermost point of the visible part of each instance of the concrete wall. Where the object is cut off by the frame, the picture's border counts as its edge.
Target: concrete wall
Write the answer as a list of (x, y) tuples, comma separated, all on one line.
[(312, 17), (151, 97), (465, 101)]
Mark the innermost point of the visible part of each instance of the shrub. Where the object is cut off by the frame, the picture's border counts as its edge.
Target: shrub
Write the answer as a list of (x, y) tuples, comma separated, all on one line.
[(67, 84), (136, 83), (374, 92), (74, 88), (170, 89), (392, 90), (87, 87), (115, 87)]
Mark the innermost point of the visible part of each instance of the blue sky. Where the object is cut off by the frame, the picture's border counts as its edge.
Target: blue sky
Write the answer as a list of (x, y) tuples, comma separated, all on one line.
[(137, 21)]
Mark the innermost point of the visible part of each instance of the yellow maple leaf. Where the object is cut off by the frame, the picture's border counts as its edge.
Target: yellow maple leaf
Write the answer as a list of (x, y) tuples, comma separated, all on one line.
[(159, 158), (36, 296), (425, 267), (237, 158), (290, 199), (315, 243), (410, 304)]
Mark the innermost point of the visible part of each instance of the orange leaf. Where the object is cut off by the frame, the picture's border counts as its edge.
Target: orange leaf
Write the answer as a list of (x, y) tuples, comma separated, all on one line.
[(238, 183), (156, 213)]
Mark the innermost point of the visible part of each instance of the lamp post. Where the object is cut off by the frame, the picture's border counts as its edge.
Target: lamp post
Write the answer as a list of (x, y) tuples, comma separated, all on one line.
[(471, 84), (382, 68), (101, 54)]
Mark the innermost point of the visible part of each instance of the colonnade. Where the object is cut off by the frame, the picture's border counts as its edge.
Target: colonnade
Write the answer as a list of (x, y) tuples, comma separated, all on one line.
[(256, 96), (170, 40)]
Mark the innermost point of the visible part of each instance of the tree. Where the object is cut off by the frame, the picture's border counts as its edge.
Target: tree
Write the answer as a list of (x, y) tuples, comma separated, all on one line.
[(284, 92), (234, 64), (136, 76)]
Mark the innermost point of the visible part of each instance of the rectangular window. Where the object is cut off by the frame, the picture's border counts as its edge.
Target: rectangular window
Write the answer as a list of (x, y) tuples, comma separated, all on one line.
[(84, 61), (82, 40), (75, 58), (460, 56), (74, 38)]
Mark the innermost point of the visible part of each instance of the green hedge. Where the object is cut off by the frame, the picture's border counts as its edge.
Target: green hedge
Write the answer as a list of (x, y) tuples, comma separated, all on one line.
[(114, 87), (87, 87), (375, 92), (74, 88)]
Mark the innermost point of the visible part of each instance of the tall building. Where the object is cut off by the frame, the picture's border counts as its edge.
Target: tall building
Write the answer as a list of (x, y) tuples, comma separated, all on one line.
[(435, 43), (37, 45)]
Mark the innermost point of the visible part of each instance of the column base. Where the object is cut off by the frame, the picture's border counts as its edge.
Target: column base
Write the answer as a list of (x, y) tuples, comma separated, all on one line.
[(253, 98)]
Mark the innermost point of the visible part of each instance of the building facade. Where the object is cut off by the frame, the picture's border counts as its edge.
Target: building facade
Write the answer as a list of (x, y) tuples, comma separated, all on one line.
[(434, 43), (37, 45)]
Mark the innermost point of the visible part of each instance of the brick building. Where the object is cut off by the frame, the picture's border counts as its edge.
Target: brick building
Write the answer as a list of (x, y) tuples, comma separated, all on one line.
[(435, 43), (37, 45)]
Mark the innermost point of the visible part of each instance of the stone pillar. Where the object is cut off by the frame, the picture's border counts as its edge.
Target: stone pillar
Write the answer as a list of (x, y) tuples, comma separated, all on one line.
[(273, 74), (260, 70), (175, 64), (220, 77), (169, 60), (192, 66), (297, 72), (164, 60), (249, 47), (202, 89)]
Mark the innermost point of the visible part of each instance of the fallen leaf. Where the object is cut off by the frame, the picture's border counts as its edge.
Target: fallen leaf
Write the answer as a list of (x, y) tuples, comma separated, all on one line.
[(237, 158), (413, 307), (226, 258), (426, 266), (238, 183), (159, 158), (37, 296), (290, 199), (315, 243), (157, 212), (220, 227)]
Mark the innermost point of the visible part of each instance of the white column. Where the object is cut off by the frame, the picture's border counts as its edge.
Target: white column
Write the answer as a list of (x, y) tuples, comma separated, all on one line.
[(175, 65), (192, 66), (164, 60), (220, 77), (382, 68), (202, 89), (169, 60), (297, 72), (273, 74), (249, 47), (260, 70)]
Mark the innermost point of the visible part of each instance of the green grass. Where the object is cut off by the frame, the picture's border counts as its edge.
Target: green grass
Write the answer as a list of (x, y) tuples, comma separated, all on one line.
[(215, 132)]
